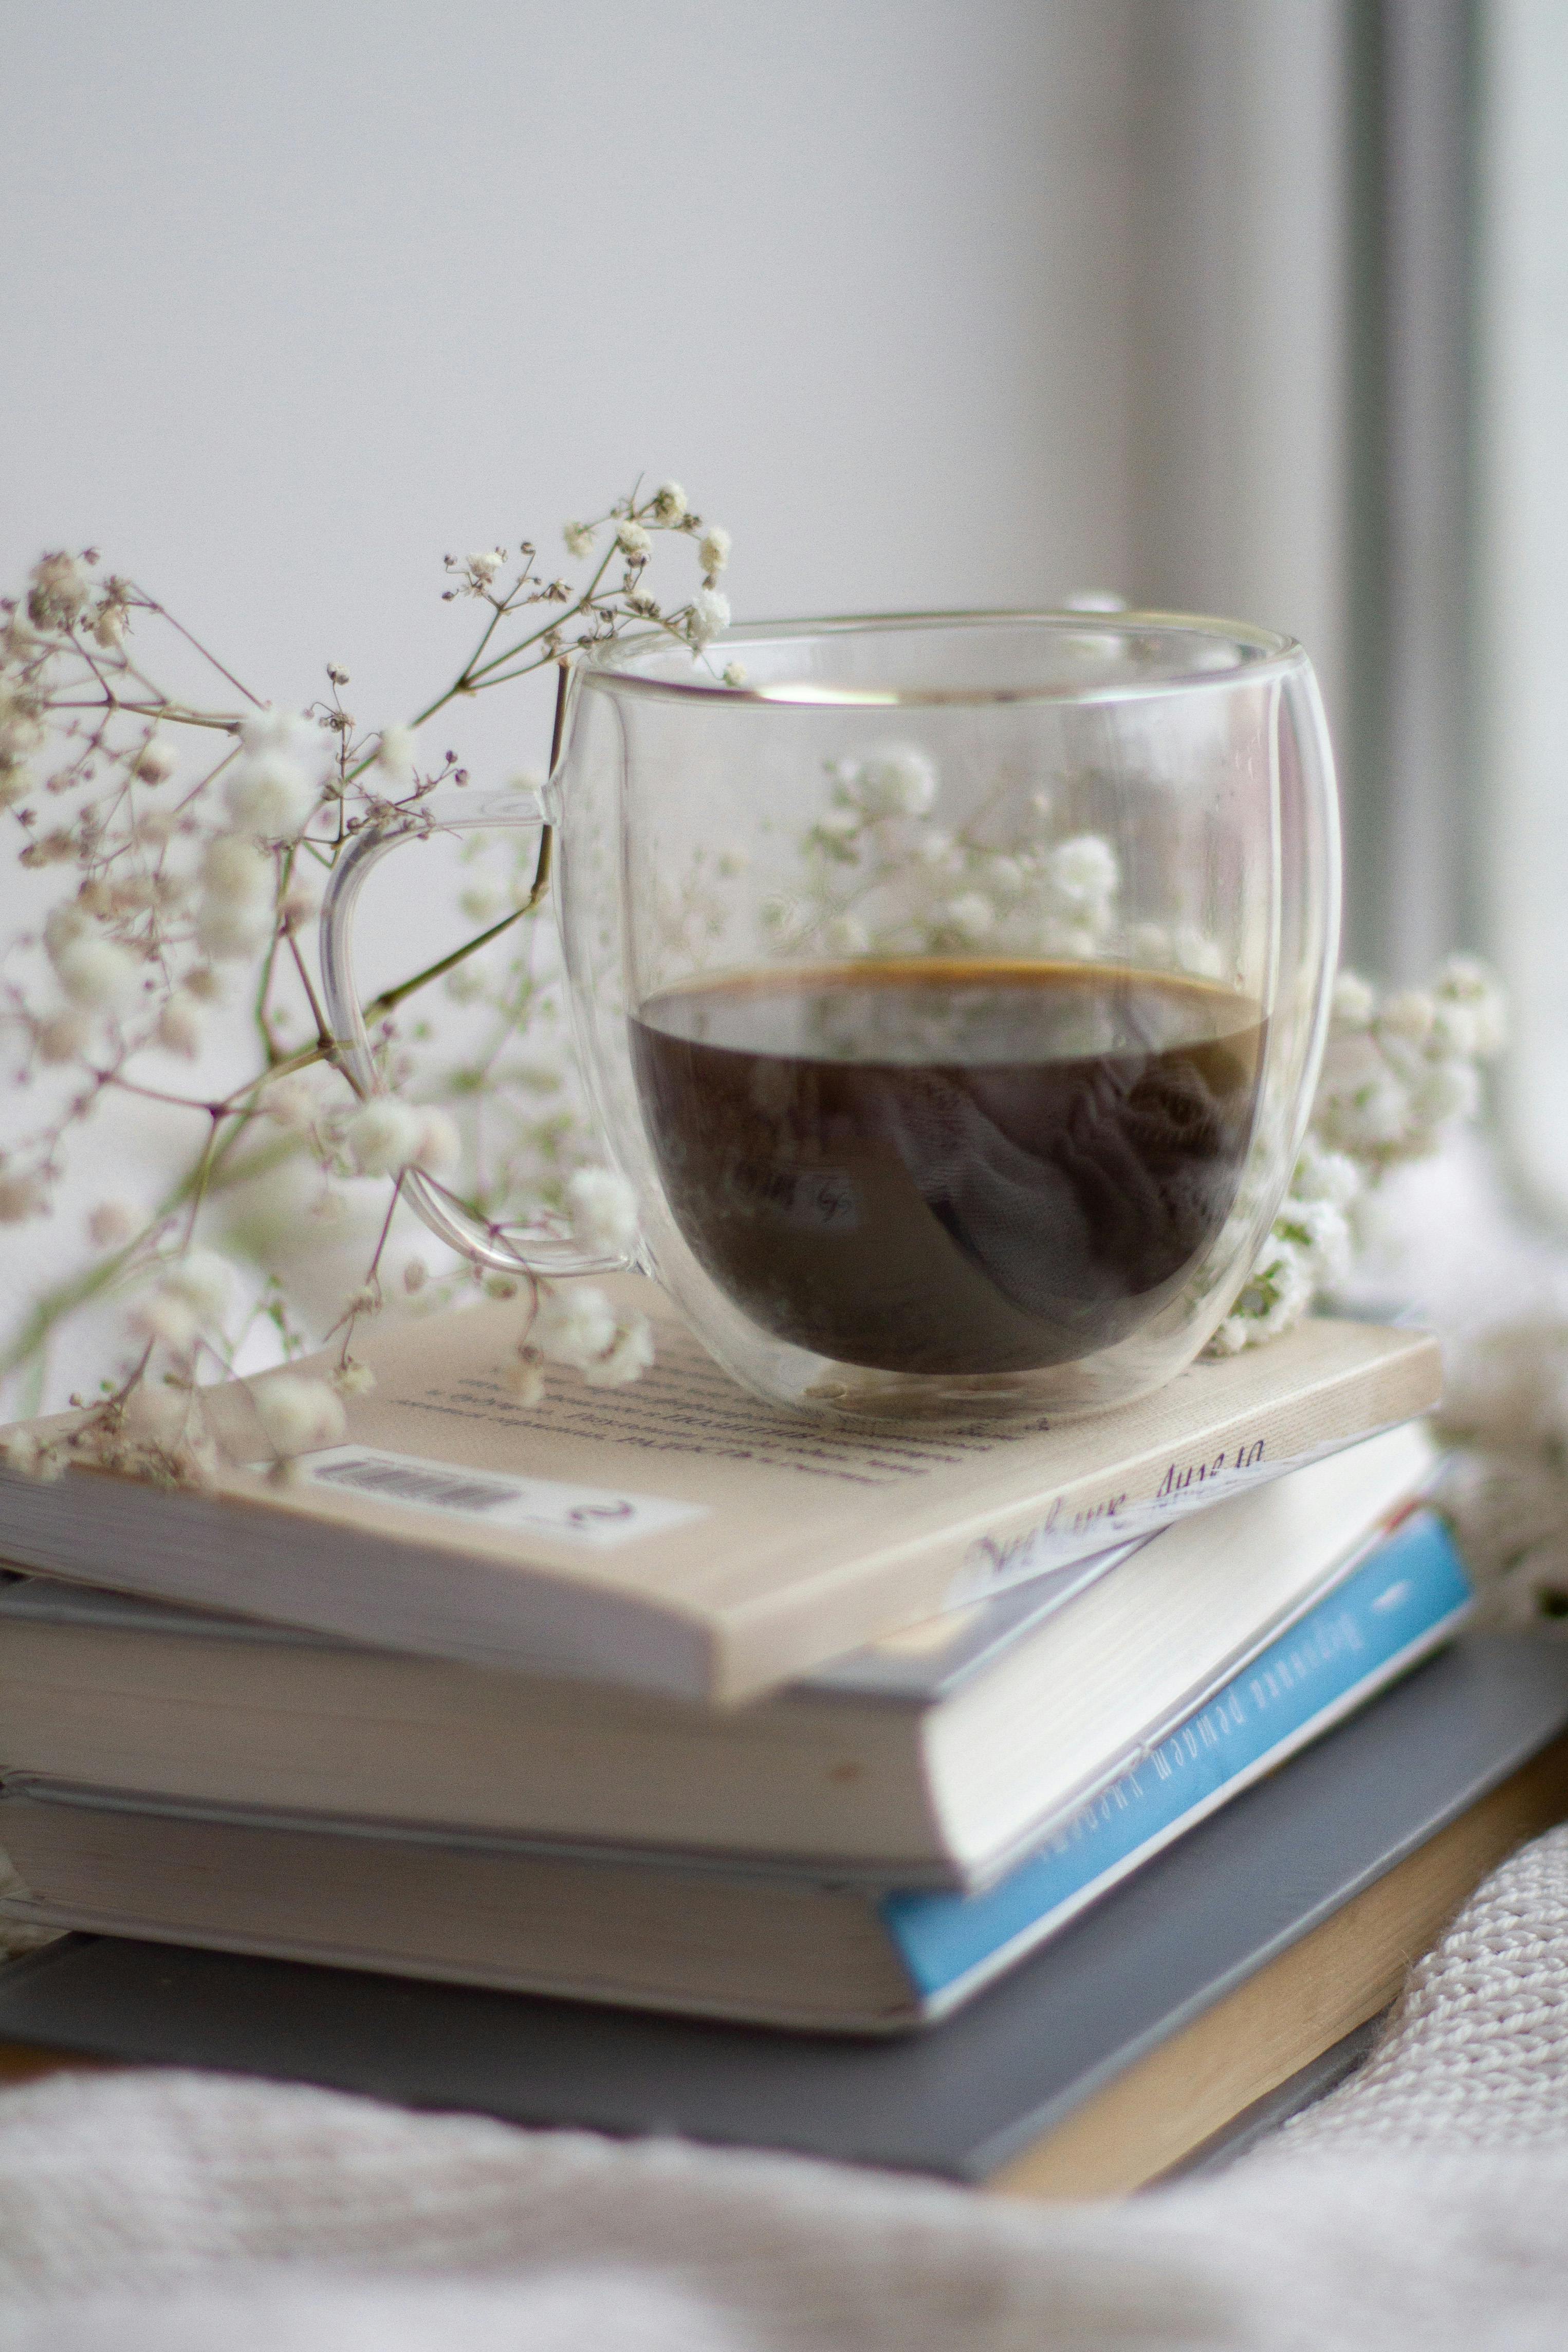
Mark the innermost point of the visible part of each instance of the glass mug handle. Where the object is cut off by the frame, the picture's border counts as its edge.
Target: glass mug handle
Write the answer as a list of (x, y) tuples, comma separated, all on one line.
[(509, 1249)]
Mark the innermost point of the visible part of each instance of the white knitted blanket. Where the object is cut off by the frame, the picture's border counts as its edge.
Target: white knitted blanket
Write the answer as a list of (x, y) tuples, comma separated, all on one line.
[(1424, 2204)]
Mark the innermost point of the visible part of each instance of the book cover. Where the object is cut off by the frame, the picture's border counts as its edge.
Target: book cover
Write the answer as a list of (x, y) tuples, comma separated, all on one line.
[(678, 1533), (715, 1941)]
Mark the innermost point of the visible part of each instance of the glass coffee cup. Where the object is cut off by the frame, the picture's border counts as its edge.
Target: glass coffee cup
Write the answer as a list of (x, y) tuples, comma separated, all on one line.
[(951, 991)]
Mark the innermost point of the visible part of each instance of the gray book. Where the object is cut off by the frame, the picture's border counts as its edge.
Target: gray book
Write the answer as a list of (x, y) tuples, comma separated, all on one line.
[(1029, 2057)]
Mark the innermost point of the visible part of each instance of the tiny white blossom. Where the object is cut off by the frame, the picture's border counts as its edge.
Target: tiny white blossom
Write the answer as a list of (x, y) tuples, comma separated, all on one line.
[(485, 562), (626, 1359), (353, 1379), (845, 935), (167, 1319), (1449, 1091), (61, 1036), (382, 1136), (236, 871), (114, 1223), (155, 764), (394, 754), (178, 1030), (1323, 1175), (1354, 1002), (896, 779), (1465, 980), (1084, 870), (936, 848), (633, 539), (57, 591), (712, 548), (574, 1325), (670, 503), (579, 537), (269, 796), (734, 673), (98, 975), (299, 1415), (1196, 953), (603, 1209), (524, 1378), (20, 1197), (710, 614), (971, 916), (63, 926), (1407, 1015), (229, 932), (202, 1281)]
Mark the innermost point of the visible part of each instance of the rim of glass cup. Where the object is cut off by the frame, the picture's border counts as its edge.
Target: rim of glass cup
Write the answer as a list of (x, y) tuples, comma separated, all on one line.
[(1264, 653)]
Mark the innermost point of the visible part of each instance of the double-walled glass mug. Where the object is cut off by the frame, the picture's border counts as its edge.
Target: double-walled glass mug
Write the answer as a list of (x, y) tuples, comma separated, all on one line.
[(951, 991)]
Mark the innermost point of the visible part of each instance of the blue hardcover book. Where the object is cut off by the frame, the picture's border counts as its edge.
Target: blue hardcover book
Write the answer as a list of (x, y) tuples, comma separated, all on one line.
[(1408, 1595), (714, 1939)]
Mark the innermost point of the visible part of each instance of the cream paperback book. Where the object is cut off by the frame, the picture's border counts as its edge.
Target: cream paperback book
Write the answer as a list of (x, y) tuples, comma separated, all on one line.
[(678, 1534)]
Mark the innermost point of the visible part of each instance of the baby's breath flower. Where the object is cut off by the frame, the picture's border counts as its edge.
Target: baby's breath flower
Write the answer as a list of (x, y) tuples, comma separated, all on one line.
[(236, 873), (579, 537), (114, 1223), (710, 614), (523, 1377), (21, 1197), (202, 1281), (166, 1320), (1354, 1002), (395, 753), (353, 1379), (382, 1136), (669, 502), (969, 918), (61, 1036), (228, 932), (574, 1325), (632, 541), (845, 935), (155, 764), (58, 591), (269, 796), (713, 549), (485, 562), (734, 673), (897, 780), (1084, 871), (98, 975), (292, 1102), (298, 1416), (626, 1359), (603, 1209), (179, 1029)]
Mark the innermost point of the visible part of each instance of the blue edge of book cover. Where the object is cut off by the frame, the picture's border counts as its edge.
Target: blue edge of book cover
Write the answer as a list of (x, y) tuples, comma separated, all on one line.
[(1407, 1595)]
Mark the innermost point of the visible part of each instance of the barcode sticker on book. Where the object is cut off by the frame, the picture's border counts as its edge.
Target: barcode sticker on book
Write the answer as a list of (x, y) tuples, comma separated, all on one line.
[(599, 1516)]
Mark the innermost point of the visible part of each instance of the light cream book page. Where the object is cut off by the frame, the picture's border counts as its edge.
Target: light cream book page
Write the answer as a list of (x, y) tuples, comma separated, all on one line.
[(679, 1533)]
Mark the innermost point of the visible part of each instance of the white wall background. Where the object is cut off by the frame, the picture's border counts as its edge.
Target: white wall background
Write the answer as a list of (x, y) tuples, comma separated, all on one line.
[(933, 302)]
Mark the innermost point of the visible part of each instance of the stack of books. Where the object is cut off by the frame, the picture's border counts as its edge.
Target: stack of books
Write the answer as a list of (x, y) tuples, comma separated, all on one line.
[(658, 1701)]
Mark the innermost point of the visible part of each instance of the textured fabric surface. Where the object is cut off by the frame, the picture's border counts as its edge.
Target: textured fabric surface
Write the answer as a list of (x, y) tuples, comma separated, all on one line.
[(1422, 2204)]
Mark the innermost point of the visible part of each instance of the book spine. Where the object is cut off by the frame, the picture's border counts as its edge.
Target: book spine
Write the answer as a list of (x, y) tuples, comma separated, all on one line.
[(1408, 1595)]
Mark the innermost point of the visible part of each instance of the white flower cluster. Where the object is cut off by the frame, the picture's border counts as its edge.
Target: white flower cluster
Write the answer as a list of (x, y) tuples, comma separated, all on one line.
[(881, 878), (1398, 1072), (1398, 1076), (175, 892)]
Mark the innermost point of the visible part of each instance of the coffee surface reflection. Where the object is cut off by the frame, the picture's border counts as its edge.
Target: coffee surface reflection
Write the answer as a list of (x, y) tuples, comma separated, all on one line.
[(951, 1167)]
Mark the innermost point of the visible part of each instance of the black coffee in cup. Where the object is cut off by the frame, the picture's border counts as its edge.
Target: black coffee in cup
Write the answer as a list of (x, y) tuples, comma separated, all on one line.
[(949, 1166)]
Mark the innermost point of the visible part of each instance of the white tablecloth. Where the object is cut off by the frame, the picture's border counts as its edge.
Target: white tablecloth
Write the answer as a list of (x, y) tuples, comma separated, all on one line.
[(1424, 2204)]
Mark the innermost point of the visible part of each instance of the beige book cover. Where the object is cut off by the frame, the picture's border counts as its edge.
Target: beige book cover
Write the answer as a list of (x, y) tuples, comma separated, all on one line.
[(679, 1533)]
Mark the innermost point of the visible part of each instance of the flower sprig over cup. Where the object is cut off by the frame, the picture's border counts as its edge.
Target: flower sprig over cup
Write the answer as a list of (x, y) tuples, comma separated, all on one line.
[(191, 840)]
